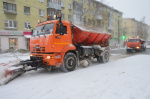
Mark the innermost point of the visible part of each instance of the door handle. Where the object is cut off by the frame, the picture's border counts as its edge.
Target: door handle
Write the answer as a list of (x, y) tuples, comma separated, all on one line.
[(57, 37)]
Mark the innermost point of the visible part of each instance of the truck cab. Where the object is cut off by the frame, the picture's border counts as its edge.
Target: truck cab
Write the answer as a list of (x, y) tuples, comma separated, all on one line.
[(135, 44), (47, 42)]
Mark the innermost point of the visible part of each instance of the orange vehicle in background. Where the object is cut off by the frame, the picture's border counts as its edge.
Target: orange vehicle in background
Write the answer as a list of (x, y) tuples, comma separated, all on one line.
[(135, 44)]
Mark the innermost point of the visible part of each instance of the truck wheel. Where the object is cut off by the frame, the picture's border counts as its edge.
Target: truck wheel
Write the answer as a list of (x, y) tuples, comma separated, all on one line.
[(69, 62), (144, 48), (99, 59), (128, 51), (104, 58)]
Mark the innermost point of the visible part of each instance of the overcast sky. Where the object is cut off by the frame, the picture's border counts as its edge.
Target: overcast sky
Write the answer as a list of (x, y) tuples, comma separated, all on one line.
[(132, 8)]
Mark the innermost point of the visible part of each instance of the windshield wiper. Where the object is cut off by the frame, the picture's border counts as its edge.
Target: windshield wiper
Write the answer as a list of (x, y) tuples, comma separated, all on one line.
[(43, 34)]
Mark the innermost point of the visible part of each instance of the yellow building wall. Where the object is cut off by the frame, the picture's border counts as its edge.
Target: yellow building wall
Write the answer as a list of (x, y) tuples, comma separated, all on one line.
[(20, 17), (130, 27), (117, 24), (65, 10)]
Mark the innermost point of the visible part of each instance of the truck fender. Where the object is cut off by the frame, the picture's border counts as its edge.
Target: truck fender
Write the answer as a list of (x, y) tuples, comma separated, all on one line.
[(67, 48)]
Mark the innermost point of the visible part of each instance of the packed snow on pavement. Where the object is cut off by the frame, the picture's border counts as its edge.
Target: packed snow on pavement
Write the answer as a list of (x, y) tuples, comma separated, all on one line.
[(126, 78)]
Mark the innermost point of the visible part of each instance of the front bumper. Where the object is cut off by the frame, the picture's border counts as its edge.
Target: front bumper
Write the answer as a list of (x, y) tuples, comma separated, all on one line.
[(135, 48), (48, 59)]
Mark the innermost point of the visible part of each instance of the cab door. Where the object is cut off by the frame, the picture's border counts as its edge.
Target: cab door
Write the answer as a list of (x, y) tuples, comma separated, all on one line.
[(61, 41)]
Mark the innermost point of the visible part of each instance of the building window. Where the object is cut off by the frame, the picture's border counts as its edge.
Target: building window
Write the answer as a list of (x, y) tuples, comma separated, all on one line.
[(41, 1), (13, 43), (0, 43), (62, 4), (69, 6), (10, 24), (84, 10), (69, 18), (63, 16), (77, 17), (41, 12), (26, 25), (26, 10), (89, 22), (55, 1), (51, 12), (9, 6)]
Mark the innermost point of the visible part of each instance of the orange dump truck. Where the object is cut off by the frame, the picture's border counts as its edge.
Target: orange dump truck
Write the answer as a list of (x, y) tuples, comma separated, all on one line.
[(59, 43), (135, 44)]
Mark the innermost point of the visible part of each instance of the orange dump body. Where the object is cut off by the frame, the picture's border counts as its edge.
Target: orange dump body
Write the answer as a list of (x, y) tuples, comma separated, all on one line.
[(89, 36)]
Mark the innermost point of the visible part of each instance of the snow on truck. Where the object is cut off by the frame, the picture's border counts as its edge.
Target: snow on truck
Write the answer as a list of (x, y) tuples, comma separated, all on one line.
[(58, 43), (135, 44)]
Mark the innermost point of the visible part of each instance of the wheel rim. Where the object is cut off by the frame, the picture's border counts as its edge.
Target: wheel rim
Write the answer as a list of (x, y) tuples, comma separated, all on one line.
[(70, 62), (106, 56)]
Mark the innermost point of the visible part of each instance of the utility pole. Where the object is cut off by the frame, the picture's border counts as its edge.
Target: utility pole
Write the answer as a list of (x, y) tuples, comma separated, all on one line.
[(118, 32)]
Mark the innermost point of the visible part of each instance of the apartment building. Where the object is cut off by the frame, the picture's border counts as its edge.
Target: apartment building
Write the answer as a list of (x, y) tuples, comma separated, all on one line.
[(15, 17), (67, 10), (130, 27)]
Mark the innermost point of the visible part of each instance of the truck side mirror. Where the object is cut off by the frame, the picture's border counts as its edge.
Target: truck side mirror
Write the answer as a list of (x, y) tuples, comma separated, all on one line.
[(61, 29)]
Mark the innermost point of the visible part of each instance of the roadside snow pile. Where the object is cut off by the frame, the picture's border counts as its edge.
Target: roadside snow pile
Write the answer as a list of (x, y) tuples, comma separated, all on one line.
[(13, 54), (147, 46)]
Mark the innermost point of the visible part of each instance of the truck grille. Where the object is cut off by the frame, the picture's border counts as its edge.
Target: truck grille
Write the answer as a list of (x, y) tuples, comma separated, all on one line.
[(33, 58), (38, 48), (132, 45)]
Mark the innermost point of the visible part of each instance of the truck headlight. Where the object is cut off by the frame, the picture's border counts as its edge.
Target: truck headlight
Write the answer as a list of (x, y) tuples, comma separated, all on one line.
[(31, 55), (137, 47), (48, 57)]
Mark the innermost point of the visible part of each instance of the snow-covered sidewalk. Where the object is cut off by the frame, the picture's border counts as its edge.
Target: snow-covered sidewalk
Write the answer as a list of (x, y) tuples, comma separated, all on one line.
[(126, 78)]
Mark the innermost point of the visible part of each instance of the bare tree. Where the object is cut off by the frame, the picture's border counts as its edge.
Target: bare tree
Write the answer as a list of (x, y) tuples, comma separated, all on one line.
[(143, 29)]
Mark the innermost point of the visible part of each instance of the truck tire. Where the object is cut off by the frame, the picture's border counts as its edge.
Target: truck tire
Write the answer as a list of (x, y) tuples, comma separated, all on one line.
[(128, 51), (99, 59), (144, 48), (104, 58), (69, 62)]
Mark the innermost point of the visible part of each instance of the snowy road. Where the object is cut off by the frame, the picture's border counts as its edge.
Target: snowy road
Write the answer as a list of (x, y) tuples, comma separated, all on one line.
[(126, 78)]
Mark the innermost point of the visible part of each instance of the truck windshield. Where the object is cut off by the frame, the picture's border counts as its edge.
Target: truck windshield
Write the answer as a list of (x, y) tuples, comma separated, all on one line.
[(133, 40), (44, 29)]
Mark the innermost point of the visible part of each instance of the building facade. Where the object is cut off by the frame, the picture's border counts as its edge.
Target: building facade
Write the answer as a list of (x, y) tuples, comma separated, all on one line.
[(67, 10), (134, 28), (130, 27), (15, 18)]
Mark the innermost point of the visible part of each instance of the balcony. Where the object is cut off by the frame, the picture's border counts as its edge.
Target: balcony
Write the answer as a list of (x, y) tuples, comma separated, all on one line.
[(53, 5), (10, 12), (99, 17)]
